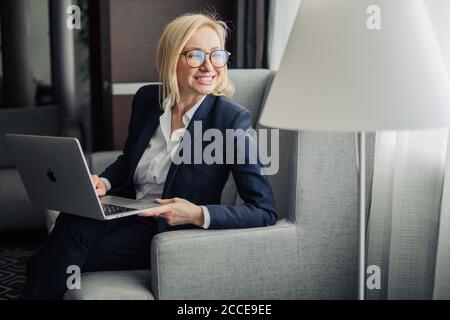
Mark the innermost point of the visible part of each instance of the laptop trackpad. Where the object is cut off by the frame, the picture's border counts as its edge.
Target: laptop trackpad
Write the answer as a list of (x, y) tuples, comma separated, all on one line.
[(129, 203)]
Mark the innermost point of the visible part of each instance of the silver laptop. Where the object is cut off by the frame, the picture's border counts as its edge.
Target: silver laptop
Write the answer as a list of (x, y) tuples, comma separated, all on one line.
[(56, 176)]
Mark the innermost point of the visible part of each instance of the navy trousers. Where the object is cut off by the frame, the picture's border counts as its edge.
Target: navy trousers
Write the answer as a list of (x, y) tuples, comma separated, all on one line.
[(92, 245)]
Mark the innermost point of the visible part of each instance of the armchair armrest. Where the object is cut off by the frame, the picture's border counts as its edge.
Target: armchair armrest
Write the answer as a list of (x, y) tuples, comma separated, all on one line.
[(98, 161), (255, 263)]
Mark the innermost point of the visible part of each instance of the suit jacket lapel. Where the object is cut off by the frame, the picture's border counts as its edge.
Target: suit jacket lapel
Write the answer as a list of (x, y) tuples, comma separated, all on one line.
[(200, 114)]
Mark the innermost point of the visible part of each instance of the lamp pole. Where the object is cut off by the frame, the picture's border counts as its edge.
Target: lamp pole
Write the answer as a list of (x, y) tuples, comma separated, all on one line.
[(362, 215)]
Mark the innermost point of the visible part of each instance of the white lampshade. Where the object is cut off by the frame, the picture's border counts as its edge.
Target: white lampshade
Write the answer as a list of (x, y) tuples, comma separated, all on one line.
[(337, 75)]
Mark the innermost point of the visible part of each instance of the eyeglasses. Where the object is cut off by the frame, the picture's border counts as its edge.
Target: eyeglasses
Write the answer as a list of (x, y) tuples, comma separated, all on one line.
[(196, 58)]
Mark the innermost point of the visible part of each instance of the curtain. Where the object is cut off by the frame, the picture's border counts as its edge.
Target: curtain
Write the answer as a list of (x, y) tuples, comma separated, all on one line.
[(442, 271), (408, 231), (405, 211), (440, 11), (282, 14), (251, 34)]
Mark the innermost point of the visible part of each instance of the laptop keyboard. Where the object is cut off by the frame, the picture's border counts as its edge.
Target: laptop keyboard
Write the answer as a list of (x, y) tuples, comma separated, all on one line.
[(110, 209)]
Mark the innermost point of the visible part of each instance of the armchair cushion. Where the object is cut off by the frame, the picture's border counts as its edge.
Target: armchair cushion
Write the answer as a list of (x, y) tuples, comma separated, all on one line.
[(113, 285)]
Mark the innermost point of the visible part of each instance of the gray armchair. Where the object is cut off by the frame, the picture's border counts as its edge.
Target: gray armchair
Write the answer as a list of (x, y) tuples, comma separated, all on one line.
[(310, 253), (16, 211)]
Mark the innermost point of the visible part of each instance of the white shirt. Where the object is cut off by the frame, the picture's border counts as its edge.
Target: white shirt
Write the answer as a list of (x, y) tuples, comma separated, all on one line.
[(151, 171)]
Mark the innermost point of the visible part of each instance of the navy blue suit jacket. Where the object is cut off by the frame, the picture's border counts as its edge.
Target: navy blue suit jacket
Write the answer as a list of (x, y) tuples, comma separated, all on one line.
[(201, 184)]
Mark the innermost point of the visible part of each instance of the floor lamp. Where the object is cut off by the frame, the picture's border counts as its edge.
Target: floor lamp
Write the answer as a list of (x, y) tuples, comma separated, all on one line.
[(360, 66)]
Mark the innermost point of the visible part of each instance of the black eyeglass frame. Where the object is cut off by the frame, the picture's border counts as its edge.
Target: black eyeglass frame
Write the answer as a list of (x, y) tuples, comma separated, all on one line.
[(184, 53)]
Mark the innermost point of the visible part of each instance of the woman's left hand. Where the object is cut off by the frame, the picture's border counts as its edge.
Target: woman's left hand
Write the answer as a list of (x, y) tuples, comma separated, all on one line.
[(176, 211)]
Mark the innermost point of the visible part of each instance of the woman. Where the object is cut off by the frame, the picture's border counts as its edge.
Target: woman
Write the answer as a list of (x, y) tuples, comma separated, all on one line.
[(192, 64)]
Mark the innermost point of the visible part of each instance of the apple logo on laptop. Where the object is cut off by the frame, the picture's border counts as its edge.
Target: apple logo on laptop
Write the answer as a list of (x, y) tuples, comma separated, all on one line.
[(51, 175)]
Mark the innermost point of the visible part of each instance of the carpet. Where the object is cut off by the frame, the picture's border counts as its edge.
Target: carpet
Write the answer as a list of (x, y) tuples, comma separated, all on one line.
[(12, 272), (15, 250)]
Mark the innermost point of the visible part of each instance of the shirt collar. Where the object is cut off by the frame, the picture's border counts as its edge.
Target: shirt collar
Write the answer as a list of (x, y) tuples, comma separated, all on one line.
[(190, 113), (165, 118), (169, 103)]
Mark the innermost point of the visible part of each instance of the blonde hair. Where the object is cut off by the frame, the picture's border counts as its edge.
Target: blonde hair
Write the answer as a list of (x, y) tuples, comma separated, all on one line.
[(175, 36)]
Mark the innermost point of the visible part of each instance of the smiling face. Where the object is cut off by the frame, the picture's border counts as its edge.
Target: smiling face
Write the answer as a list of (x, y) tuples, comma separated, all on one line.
[(194, 83)]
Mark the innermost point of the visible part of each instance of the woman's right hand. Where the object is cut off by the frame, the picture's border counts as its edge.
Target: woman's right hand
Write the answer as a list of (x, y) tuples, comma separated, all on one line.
[(99, 185)]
